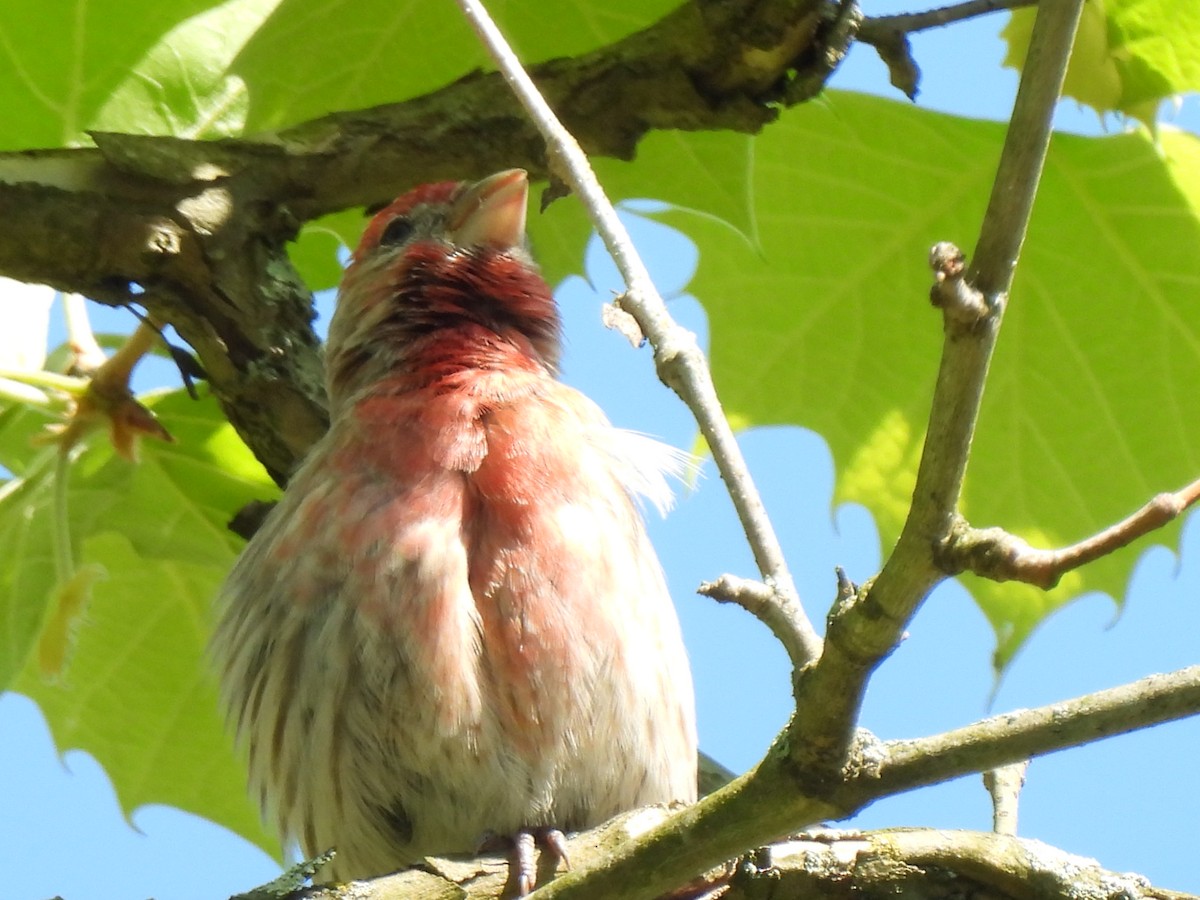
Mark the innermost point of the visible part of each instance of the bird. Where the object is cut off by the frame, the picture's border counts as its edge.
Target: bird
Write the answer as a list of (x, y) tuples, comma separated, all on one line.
[(453, 627)]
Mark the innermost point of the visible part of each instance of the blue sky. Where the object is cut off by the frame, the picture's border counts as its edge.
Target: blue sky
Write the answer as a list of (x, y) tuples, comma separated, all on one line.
[(1133, 802)]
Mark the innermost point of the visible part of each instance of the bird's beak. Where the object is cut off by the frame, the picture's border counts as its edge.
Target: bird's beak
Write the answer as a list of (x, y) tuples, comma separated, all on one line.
[(491, 212)]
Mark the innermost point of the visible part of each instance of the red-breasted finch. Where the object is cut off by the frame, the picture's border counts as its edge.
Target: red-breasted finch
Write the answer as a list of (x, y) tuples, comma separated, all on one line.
[(453, 624)]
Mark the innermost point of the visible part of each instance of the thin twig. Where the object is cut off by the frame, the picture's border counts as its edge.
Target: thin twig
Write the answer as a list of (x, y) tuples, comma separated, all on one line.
[(87, 355), (1002, 556), (681, 363), (766, 605), (108, 401), (889, 35), (875, 27), (1025, 144)]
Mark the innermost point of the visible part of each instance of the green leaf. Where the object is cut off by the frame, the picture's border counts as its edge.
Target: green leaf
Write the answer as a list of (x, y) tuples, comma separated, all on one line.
[(26, 559), (827, 325), (60, 63), (352, 54), (315, 252), (130, 683), (1129, 55), (137, 695), (705, 173), (181, 86), (19, 427)]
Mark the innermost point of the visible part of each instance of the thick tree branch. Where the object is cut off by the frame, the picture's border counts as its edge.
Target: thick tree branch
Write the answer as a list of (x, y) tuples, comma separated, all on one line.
[(207, 257), (195, 231), (198, 229), (680, 361), (874, 865), (923, 862)]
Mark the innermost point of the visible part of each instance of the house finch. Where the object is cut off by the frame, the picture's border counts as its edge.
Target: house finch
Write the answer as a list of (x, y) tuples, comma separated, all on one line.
[(453, 624)]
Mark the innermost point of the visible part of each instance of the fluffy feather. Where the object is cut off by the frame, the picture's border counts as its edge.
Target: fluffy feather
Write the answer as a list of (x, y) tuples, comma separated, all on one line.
[(453, 624)]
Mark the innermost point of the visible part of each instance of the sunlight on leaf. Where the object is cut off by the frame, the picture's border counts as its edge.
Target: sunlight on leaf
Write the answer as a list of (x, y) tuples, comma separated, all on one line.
[(182, 86), (293, 48), (830, 327), (1129, 55), (68, 605), (61, 62), (148, 713)]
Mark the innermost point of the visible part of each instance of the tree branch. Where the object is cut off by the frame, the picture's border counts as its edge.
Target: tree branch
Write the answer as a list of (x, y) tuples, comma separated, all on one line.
[(874, 27), (680, 361), (914, 862), (774, 798), (923, 862), (864, 629), (889, 35), (997, 554), (1023, 734), (196, 231), (779, 612)]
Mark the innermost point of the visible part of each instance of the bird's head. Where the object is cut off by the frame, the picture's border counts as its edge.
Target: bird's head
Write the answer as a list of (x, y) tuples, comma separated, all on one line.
[(442, 279)]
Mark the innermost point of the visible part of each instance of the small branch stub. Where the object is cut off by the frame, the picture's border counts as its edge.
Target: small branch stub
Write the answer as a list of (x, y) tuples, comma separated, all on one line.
[(1004, 785), (951, 293), (614, 317), (771, 607)]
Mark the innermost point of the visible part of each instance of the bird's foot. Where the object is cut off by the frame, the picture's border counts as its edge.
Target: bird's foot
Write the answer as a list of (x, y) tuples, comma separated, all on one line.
[(523, 864)]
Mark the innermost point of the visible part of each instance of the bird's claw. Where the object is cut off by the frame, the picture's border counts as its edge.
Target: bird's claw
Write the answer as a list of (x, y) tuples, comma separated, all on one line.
[(522, 859)]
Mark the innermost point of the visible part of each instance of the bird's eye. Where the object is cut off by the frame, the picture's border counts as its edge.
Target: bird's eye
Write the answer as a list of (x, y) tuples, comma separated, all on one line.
[(398, 231)]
